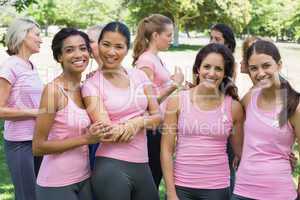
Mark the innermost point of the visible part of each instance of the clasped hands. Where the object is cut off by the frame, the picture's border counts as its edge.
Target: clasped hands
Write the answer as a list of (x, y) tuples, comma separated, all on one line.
[(107, 132)]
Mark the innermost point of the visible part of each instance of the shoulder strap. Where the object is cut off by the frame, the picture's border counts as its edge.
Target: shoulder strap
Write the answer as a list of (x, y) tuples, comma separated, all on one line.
[(62, 90)]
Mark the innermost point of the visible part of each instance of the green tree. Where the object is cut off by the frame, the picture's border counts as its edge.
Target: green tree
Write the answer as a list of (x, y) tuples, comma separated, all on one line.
[(75, 13), (269, 17), (293, 23), (235, 13), (19, 5), (44, 13), (180, 11), (193, 14)]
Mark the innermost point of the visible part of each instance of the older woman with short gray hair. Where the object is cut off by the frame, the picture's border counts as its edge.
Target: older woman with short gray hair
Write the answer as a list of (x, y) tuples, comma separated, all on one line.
[(20, 89)]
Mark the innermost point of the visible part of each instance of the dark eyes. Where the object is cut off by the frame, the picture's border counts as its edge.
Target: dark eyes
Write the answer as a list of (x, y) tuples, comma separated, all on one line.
[(83, 48), (116, 46), (217, 68), (70, 50)]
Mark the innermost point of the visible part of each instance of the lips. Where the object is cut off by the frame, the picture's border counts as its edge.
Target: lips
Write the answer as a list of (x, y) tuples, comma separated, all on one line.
[(210, 80), (265, 82), (79, 63), (110, 60)]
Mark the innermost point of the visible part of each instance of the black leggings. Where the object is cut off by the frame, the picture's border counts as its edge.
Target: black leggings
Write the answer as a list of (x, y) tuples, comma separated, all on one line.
[(238, 197), (153, 140), (184, 193), (114, 179)]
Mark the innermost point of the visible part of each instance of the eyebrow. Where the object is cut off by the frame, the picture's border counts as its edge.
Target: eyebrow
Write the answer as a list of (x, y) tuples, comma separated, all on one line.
[(73, 46)]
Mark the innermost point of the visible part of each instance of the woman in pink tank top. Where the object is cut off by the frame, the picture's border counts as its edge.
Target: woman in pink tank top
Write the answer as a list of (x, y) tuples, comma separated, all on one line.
[(197, 124), (154, 34), (123, 99), (271, 126), (63, 129)]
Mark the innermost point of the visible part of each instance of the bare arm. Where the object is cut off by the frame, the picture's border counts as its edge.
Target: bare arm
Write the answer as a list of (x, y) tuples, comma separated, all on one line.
[(295, 119), (166, 91), (125, 132), (168, 146), (41, 144), (237, 133), (7, 113)]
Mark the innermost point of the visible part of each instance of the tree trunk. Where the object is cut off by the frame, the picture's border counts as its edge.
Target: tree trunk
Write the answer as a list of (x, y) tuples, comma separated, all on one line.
[(176, 36), (186, 28), (46, 30), (176, 32)]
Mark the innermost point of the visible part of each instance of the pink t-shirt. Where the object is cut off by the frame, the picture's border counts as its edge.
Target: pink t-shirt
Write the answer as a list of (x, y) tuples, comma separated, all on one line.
[(201, 160), (122, 105), (161, 77), (26, 90), (264, 172), (71, 166)]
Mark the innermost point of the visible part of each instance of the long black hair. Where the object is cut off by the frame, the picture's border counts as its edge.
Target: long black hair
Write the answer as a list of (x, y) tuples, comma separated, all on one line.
[(290, 97), (228, 35), (227, 86)]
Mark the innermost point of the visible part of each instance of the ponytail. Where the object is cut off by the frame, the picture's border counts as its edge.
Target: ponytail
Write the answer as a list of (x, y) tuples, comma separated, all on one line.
[(146, 27), (229, 88), (290, 99), (140, 43)]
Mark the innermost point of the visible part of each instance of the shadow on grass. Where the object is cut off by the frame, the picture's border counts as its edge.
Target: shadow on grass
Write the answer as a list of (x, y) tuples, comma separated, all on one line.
[(185, 47), (6, 187)]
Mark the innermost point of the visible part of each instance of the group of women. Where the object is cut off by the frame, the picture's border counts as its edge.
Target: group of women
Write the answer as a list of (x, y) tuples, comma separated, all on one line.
[(149, 123)]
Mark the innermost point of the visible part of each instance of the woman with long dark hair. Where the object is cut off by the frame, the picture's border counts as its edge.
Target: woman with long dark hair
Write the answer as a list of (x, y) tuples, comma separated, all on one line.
[(271, 126), (196, 128)]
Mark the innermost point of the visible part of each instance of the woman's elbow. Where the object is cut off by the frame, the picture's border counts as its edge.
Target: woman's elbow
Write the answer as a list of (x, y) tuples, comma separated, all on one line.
[(37, 149)]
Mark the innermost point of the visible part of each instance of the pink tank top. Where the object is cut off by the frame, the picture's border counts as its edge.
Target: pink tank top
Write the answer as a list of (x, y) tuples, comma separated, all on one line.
[(161, 78), (122, 105), (201, 160), (71, 166), (265, 172)]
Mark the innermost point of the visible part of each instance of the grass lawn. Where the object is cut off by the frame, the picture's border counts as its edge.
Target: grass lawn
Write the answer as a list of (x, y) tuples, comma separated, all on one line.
[(6, 188)]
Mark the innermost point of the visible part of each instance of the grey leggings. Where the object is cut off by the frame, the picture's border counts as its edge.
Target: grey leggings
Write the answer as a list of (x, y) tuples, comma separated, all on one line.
[(77, 191), (184, 193), (20, 163), (120, 180), (238, 197)]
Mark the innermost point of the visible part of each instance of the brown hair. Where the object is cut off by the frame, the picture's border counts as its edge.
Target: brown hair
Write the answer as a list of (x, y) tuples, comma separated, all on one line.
[(227, 86), (146, 27), (291, 97), (247, 43)]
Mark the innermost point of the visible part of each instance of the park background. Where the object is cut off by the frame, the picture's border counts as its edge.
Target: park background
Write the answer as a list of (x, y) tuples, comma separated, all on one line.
[(275, 19)]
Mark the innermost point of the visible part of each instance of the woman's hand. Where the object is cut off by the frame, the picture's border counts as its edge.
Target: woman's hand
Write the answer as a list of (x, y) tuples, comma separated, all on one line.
[(293, 161), (97, 132), (123, 132), (236, 162), (178, 76)]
